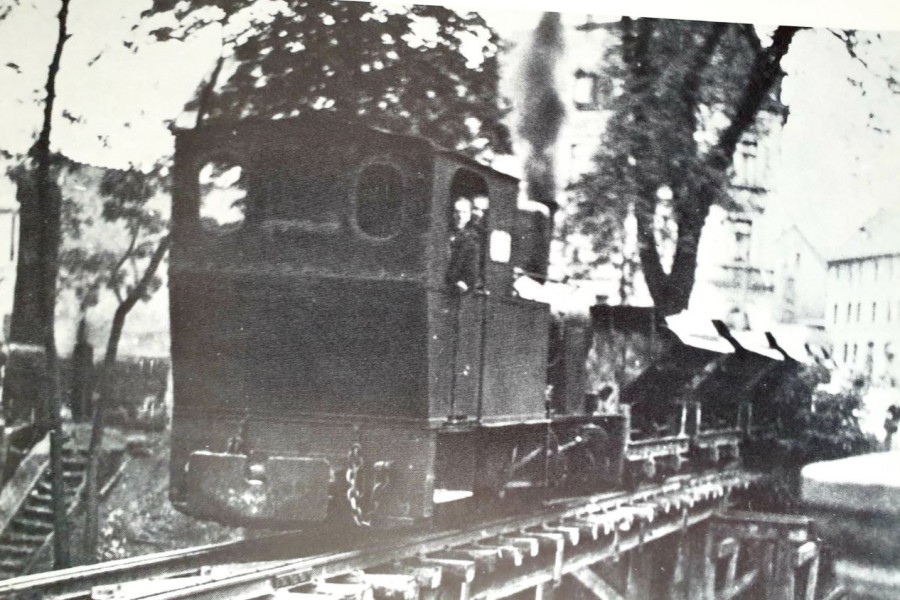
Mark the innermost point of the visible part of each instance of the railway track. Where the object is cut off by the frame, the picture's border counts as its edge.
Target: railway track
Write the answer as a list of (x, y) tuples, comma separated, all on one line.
[(492, 559), (76, 581)]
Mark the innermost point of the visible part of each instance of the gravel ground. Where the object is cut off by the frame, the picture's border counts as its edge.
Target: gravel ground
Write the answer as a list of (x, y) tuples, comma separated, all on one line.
[(137, 518)]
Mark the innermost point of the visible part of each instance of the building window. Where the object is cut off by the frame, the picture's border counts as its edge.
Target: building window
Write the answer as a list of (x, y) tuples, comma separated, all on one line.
[(874, 310), (858, 312), (855, 348), (835, 314), (587, 90), (875, 275), (789, 291), (742, 230), (845, 354), (849, 311)]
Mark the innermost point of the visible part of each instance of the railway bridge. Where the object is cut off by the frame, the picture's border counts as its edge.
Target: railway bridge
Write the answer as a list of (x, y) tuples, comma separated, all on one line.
[(682, 539)]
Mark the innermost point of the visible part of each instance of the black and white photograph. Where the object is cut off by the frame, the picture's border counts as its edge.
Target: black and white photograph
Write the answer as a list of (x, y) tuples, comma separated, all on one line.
[(347, 300)]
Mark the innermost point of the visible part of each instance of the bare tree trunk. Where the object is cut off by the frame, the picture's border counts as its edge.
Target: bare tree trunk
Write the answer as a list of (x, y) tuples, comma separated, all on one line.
[(671, 291), (636, 37), (49, 200), (23, 393), (92, 512)]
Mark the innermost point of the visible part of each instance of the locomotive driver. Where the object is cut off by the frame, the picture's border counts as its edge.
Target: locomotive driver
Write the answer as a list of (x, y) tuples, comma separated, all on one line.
[(464, 270), (480, 206)]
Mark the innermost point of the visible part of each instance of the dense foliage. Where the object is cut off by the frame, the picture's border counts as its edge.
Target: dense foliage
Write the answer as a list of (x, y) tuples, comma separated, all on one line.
[(811, 425), (681, 95), (108, 242), (822, 425), (425, 70)]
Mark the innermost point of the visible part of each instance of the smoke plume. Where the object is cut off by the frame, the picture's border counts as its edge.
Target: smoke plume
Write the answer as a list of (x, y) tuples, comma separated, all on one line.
[(542, 109)]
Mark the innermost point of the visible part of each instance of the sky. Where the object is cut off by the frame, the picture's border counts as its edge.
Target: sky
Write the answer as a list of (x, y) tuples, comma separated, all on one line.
[(833, 171)]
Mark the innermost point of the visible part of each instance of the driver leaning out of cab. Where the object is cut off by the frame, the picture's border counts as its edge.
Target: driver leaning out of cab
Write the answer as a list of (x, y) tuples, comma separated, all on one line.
[(464, 270)]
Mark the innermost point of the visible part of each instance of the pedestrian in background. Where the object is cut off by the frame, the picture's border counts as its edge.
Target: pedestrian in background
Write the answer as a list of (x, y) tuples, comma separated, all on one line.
[(890, 425)]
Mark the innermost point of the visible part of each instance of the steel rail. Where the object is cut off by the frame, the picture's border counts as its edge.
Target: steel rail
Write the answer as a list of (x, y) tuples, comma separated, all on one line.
[(75, 580)]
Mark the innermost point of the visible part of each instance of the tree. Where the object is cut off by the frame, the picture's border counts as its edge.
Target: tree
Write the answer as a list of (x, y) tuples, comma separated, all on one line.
[(34, 300), (810, 425), (127, 248), (425, 70), (682, 97)]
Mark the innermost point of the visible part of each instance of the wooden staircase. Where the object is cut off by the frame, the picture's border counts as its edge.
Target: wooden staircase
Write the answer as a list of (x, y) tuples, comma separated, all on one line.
[(28, 531)]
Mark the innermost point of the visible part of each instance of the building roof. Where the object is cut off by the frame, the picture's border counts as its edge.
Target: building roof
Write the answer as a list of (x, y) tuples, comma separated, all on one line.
[(804, 237), (876, 237)]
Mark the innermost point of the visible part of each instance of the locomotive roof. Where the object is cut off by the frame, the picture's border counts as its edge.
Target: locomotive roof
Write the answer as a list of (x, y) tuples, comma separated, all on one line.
[(332, 123)]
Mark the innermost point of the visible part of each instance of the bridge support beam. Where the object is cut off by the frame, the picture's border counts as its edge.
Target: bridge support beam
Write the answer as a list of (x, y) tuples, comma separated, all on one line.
[(596, 585), (733, 555), (781, 557)]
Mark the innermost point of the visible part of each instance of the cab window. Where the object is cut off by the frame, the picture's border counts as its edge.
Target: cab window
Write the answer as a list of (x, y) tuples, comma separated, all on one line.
[(223, 193), (379, 201)]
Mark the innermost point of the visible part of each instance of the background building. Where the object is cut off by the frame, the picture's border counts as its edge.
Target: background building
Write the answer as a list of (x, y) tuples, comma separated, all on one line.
[(800, 279), (9, 251), (862, 308)]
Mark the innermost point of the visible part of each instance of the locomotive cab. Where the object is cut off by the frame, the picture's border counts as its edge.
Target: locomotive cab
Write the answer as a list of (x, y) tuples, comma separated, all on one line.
[(323, 366)]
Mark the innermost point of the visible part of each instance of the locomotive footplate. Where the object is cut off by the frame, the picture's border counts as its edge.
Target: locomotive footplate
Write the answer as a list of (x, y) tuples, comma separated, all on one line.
[(246, 489)]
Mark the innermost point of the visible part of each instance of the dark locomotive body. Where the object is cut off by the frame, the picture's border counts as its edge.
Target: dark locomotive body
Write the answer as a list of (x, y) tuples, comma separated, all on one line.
[(321, 364), (324, 370)]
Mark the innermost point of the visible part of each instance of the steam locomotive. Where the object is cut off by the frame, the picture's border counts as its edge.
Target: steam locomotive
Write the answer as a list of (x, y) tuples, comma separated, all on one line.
[(324, 371)]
